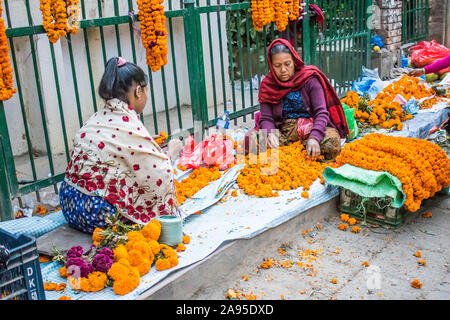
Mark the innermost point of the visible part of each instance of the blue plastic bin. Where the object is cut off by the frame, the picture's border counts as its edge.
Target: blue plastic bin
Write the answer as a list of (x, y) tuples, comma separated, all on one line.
[(22, 278)]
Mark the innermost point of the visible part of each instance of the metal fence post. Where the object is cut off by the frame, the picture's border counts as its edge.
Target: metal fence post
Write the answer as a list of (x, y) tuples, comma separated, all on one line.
[(6, 210), (307, 35), (196, 70)]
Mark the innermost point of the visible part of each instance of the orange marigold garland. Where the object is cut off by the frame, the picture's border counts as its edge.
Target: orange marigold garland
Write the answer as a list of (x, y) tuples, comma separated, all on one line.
[(153, 32), (6, 72), (422, 167), (55, 18), (262, 13), (281, 14), (73, 15)]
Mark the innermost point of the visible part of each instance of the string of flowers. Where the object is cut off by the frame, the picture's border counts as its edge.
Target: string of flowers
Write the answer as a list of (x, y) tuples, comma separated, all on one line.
[(278, 11), (262, 13), (73, 15), (422, 167), (153, 32), (6, 72), (55, 18), (281, 15)]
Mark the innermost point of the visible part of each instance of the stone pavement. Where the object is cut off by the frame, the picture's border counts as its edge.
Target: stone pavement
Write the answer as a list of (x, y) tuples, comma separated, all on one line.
[(303, 269)]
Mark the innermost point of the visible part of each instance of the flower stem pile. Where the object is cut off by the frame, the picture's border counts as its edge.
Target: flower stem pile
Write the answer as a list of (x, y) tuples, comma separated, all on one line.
[(295, 169), (422, 167)]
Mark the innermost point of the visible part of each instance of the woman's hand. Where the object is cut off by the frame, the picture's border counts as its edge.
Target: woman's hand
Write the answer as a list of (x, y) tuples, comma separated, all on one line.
[(173, 148), (312, 148), (416, 72)]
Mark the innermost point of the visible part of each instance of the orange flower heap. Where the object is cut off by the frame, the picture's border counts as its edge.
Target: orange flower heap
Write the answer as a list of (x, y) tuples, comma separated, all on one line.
[(154, 32), (422, 167), (6, 72), (386, 112), (295, 169), (198, 179), (351, 99)]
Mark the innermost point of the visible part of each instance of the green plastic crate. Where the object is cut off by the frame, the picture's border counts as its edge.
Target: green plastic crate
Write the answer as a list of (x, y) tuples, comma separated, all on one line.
[(377, 210)]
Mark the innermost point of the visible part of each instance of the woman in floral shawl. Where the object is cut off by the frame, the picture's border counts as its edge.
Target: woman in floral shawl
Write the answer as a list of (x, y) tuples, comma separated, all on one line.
[(115, 163)]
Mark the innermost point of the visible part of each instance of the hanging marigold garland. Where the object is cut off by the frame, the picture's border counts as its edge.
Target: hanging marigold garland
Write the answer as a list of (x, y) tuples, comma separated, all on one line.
[(153, 32), (281, 15), (262, 13), (55, 18), (278, 11), (6, 72), (73, 14)]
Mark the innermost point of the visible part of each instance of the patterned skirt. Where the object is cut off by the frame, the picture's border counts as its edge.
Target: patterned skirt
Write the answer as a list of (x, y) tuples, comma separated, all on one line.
[(83, 212)]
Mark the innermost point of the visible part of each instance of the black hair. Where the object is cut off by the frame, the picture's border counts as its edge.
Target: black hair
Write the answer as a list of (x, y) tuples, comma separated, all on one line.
[(278, 49), (117, 80)]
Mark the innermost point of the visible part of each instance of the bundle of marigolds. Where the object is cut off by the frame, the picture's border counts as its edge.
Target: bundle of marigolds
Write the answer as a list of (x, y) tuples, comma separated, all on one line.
[(59, 17), (383, 111), (197, 179), (422, 167), (119, 256), (6, 72), (153, 32), (278, 11), (295, 169)]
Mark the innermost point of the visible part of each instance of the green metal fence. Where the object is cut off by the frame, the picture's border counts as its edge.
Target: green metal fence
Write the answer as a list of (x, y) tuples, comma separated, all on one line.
[(220, 68), (415, 14)]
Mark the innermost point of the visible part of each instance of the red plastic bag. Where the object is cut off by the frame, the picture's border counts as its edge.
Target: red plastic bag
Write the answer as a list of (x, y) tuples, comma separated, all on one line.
[(425, 53), (304, 127), (212, 151)]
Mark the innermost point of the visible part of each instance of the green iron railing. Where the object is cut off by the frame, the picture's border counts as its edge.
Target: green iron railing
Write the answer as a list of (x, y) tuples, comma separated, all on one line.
[(415, 15), (344, 45), (223, 53)]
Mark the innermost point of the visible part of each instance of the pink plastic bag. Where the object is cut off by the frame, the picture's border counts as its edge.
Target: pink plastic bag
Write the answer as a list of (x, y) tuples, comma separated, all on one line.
[(211, 151), (304, 127), (425, 53)]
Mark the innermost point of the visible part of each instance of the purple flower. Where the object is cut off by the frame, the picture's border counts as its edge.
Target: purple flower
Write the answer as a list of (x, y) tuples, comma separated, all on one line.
[(102, 262), (75, 252), (107, 252), (77, 267)]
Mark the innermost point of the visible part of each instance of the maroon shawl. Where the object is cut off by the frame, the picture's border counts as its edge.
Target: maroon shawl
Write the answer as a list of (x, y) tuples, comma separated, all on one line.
[(272, 90)]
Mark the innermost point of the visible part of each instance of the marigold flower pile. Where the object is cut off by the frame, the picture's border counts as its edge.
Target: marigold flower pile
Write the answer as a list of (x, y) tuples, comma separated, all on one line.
[(55, 18), (198, 179), (295, 169), (153, 32), (386, 112), (278, 11), (6, 72), (422, 167), (121, 266)]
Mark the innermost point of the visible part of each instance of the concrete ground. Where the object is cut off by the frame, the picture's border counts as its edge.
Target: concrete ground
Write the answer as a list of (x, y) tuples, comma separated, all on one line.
[(303, 269)]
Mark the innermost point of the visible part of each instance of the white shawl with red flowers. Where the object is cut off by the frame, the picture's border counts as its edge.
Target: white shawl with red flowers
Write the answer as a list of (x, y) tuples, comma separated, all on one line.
[(114, 157)]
